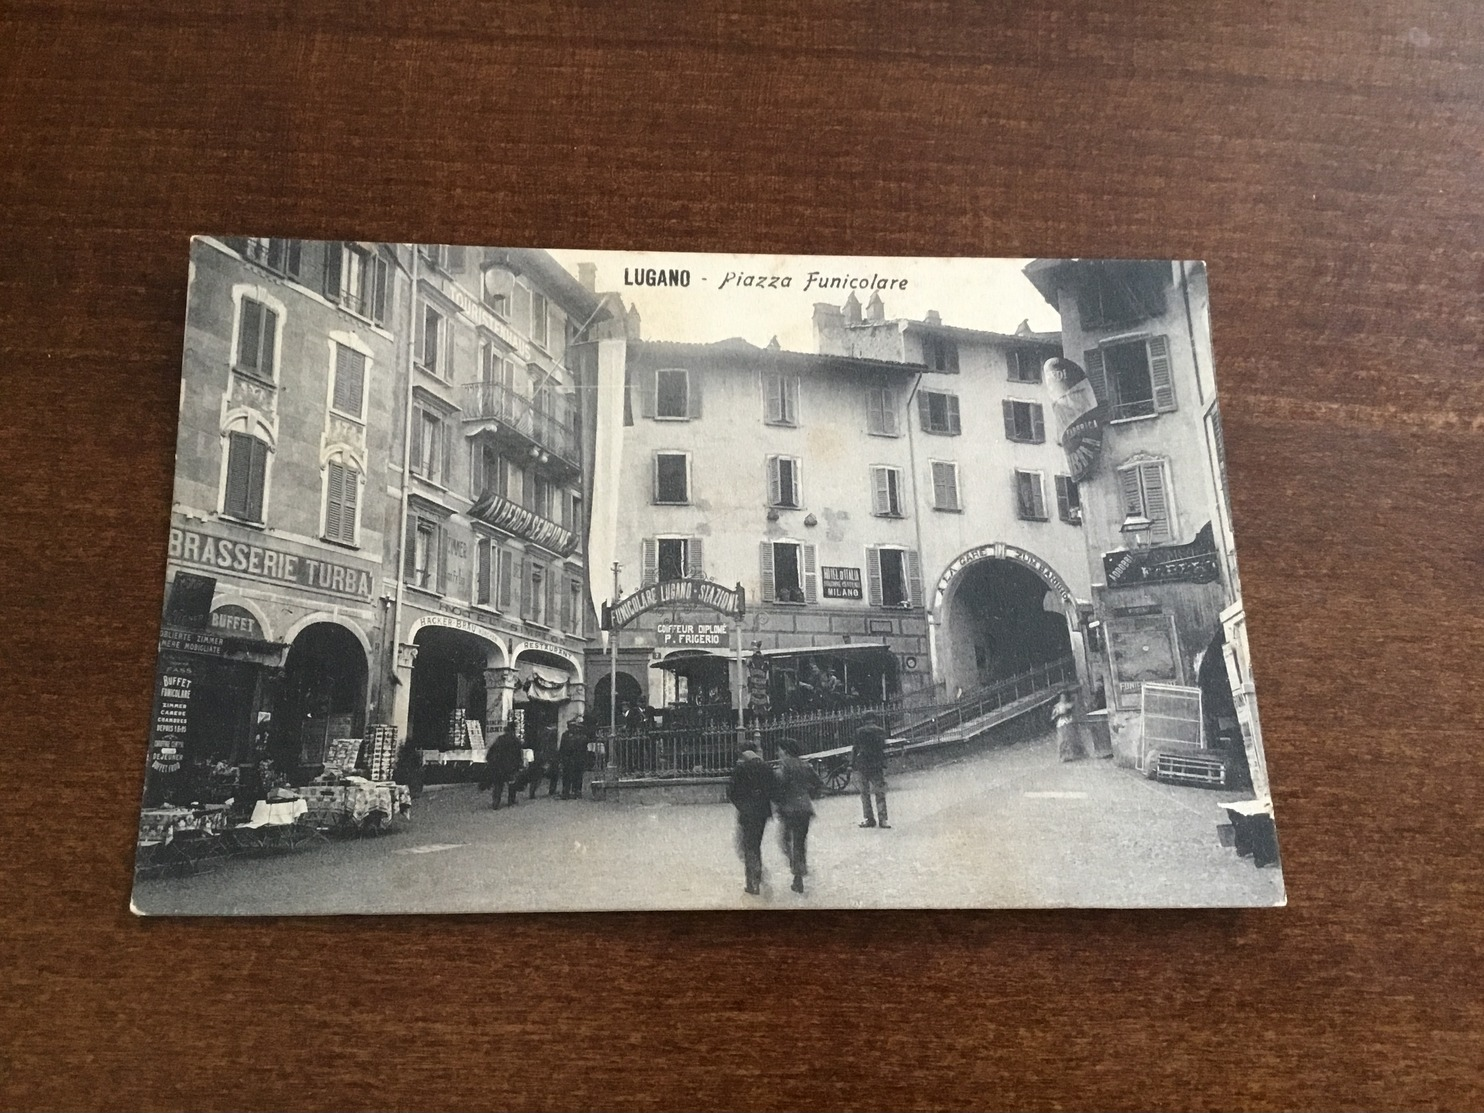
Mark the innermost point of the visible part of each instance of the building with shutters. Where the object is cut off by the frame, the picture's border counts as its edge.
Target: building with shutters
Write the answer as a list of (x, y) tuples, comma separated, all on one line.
[(282, 533), (1157, 513), (890, 503), (492, 610)]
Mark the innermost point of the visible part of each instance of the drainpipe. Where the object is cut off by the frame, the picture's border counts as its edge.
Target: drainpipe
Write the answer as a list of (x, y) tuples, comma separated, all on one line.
[(401, 563), (932, 627)]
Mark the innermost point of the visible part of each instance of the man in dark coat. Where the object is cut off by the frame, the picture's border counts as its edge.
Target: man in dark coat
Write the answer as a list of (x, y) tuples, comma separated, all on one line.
[(502, 760), (797, 784), (572, 757), (869, 761), (545, 763), (752, 789)]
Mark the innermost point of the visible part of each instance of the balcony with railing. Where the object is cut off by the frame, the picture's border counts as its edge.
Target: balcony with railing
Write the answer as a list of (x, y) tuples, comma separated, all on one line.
[(496, 510), (542, 437)]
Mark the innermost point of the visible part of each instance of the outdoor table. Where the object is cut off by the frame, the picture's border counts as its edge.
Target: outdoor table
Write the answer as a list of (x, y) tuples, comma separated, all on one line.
[(364, 806), (180, 838)]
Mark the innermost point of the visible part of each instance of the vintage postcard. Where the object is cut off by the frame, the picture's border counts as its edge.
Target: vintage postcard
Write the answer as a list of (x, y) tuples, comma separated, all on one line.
[(501, 579)]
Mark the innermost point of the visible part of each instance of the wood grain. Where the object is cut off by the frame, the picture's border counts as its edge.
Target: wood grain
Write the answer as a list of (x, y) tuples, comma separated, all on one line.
[(1324, 157)]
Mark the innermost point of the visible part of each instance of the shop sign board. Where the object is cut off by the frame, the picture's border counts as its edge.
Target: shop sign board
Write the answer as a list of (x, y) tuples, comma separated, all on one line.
[(172, 708), (182, 640), (236, 622), (265, 562), (840, 583), (1195, 563), (693, 635), (695, 592)]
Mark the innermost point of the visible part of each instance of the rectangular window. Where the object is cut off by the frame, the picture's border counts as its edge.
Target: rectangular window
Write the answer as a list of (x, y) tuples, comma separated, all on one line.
[(881, 413), (353, 284), (487, 558), (536, 594), (893, 577), (672, 394), (1068, 500), (538, 495), (283, 256), (539, 324), (434, 342), (505, 593), (1120, 293), (347, 393), (1146, 500), (788, 577), (429, 458), (671, 558), (1024, 421), (1030, 498), (435, 253), (886, 492), (783, 482), (939, 412), (671, 478), (425, 562), (247, 474), (342, 486), (257, 334), (783, 399), (940, 353), (945, 486), (1134, 376), (1025, 365)]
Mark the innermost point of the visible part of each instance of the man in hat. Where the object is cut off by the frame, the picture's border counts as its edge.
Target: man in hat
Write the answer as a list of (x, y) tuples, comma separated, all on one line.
[(572, 757), (869, 760), (752, 790), (502, 761), (797, 783)]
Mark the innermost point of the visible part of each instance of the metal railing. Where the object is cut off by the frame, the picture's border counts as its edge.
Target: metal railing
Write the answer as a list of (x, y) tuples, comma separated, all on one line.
[(709, 747), (495, 402)]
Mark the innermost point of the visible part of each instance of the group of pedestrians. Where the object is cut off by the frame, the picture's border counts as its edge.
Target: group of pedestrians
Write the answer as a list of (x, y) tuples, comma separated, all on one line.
[(756, 790), (509, 772)]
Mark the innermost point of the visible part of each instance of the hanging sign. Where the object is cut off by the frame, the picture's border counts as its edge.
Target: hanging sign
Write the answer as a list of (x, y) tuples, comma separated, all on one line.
[(694, 592), (1195, 563)]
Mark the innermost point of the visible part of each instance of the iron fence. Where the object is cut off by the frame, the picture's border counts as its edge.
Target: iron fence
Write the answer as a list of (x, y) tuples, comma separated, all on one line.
[(711, 749)]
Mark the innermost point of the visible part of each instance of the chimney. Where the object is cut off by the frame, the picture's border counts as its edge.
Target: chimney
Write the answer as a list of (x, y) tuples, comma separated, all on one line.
[(852, 310), (829, 330), (875, 310), (634, 331), (587, 274), (933, 318)]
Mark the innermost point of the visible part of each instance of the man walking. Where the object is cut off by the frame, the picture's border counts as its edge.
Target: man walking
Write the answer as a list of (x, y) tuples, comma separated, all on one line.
[(869, 760), (572, 756), (797, 783), (751, 791), (503, 762), (544, 764)]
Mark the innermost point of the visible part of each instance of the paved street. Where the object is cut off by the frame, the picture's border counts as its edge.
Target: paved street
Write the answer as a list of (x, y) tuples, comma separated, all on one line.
[(1012, 828)]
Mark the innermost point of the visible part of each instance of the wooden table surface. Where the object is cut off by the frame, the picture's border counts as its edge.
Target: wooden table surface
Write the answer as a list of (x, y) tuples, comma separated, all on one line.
[(1323, 156)]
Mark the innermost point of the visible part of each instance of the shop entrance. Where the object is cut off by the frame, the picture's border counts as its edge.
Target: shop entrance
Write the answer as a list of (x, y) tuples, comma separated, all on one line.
[(542, 694), (323, 696), (448, 676), (630, 694), (222, 712), (1220, 727), (998, 624)]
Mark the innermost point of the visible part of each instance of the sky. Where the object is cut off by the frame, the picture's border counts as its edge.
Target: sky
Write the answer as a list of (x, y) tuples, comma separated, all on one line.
[(989, 294)]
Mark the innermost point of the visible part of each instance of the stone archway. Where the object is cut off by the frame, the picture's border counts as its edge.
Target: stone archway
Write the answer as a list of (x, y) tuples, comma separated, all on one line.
[(998, 611)]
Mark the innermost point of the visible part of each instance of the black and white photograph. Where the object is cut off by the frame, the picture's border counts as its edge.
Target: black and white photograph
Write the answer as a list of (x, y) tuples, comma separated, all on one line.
[(506, 579)]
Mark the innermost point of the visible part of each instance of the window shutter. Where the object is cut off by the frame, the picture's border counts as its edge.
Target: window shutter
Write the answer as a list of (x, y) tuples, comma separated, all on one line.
[(773, 404), (527, 596), (332, 270), (483, 572), (1009, 410), (775, 485), (349, 495), (765, 579), (791, 392), (1092, 363), (566, 609), (1023, 502), (953, 426), (440, 452), (1038, 423), (257, 479), (889, 413), (940, 486), (914, 580), (695, 557), (925, 412), (651, 572), (250, 335), (1063, 499), (409, 552), (1133, 494), (380, 273), (239, 464), (796, 475), (876, 411), (441, 536), (811, 573), (645, 385), (873, 575), (1160, 377), (881, 491), (270, 334), (553, 590), (417, 439), (693, 394), (334, 483), (350, 379), (1038, 494), (1156, 500), (507, 576)]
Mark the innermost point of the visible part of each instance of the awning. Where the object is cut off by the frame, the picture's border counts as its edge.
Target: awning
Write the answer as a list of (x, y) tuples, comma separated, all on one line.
[(820, 650), (542, 682), (678, 662)]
